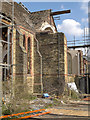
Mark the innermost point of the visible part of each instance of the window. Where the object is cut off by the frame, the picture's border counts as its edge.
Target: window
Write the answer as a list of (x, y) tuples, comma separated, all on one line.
[(24, 45), (29, 57)]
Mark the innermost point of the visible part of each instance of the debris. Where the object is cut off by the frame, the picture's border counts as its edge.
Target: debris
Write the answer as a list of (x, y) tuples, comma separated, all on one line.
[(61, 113), (45, 95), (62, 102), (73, 86)]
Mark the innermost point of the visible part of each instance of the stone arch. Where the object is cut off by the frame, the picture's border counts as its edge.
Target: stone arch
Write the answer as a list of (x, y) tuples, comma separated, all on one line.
[(24, 41), (49, 29), (29, 56), (47, 26)]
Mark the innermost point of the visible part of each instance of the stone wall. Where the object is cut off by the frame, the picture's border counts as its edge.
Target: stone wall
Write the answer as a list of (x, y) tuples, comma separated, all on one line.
[(42, 18), (53, 61), (20, 68), (37, 69), (23, 81)]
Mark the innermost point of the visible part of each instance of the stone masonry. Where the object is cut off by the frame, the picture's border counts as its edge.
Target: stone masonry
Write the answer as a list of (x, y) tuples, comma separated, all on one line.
[(53, 62)]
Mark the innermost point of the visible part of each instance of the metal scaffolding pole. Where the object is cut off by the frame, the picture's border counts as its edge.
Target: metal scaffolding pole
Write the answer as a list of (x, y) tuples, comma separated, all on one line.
[(5, 42), (8, 53), (12, 94), (1, 67), (2, 16)]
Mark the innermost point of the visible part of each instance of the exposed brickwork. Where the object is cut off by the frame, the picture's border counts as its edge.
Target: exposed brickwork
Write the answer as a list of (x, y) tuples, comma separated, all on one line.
[(40, 17), (52, 50), (52, 46)]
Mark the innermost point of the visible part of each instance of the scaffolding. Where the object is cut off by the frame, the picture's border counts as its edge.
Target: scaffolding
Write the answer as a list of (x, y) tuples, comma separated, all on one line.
[(84, 44), (6, 65)]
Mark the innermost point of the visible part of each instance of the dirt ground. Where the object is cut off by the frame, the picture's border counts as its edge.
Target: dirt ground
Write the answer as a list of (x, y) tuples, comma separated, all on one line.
[(78, 110)]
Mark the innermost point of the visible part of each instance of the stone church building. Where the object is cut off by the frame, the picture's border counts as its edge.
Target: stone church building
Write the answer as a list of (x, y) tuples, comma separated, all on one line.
[(33, 54)]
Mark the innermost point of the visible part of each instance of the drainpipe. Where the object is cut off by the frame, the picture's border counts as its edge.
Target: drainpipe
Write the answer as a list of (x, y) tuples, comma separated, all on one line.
[(41, 63)]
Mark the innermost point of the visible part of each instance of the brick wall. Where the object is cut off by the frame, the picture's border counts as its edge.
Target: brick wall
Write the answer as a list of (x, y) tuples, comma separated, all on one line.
[(40, 18), (53, 60), (23, 81), (20, 68)]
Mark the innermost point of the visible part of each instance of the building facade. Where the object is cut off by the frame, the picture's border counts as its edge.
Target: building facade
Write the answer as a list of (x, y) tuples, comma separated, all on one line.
[(33, 53)]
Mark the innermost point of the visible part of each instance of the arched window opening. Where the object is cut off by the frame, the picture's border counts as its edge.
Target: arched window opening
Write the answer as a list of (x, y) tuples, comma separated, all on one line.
[(29, 56), (49, 30), (24, 45), (29, 44)]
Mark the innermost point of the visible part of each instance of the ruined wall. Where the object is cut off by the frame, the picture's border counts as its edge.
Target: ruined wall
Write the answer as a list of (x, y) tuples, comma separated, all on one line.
[(53, 60), (42, 20), (20, 61), (37, 69), (23, 81), (30, 76)]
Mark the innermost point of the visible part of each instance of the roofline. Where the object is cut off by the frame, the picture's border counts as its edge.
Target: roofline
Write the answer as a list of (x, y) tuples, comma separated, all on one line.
[(41, 11)]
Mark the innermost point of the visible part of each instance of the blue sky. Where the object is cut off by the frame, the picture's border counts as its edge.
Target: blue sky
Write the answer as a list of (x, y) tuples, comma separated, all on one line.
[(77, 19)]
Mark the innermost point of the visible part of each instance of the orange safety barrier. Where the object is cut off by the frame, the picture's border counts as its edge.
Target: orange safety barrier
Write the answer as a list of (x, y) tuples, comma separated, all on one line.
[(21, 113), (31, 116)]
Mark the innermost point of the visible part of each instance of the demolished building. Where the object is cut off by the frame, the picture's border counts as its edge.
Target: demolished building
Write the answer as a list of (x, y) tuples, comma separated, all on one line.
[(33, 53)]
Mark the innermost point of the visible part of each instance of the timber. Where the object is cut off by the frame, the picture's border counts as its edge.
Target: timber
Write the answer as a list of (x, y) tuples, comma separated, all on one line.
[(60, 12)]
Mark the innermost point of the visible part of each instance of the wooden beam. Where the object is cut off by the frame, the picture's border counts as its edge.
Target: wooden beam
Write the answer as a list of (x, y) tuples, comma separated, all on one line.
[(60, 12)]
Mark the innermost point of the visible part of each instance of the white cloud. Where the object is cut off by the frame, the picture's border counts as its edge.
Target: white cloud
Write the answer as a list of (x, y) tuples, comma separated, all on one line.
[(70, 27)]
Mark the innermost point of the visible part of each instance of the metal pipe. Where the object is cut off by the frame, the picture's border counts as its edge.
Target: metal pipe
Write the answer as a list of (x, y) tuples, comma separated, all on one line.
[(41, 63), (0, 77), (12, 94), (4, 23), (5, 42), (2, 16), (8, 55), (4, 65)]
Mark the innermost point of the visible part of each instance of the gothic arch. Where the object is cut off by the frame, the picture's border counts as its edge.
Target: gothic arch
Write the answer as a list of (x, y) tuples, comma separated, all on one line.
[(47, 26)]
